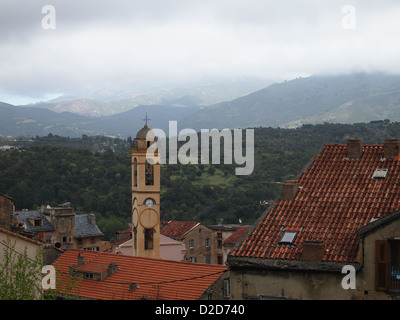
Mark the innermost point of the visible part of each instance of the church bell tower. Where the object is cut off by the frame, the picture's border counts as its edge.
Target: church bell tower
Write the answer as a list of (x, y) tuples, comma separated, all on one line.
[(145, 196)]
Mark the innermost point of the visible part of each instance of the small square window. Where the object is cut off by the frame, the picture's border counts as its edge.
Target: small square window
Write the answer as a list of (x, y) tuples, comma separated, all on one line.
[(380, 174), (288, 237)]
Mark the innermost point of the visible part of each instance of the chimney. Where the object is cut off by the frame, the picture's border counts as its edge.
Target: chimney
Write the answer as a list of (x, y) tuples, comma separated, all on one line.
[(354, 148), (313, 250), (391, 149), (81, 260), (289, 190), (92, 218), (112, 268)]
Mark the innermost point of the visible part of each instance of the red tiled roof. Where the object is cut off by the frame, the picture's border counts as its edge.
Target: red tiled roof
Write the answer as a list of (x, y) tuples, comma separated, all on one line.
[(94, 267), (236, 236), (128, 230), (336, 197), (106, 246), (178, 229), (155, 278)]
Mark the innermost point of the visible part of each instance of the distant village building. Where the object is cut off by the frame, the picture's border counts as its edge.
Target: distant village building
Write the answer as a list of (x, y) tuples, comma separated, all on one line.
[(7, 148), (333, 234), (87, 233), (170, 249), (204, 244), (19, 243), (60, 227)]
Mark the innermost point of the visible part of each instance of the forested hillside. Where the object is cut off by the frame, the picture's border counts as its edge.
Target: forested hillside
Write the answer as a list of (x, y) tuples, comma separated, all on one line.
[(94, 174)]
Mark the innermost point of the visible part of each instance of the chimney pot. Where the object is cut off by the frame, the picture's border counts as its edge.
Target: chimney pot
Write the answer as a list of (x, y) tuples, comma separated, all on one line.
[(112, 268), (81, 260), (354, 148), (92, 218)]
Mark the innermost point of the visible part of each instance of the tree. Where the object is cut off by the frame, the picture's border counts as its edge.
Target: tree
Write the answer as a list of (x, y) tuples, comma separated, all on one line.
[(20, 276)]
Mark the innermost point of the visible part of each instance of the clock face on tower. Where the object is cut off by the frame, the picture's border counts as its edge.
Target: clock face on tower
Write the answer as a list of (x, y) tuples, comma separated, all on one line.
[(149, 218), (149, 202)]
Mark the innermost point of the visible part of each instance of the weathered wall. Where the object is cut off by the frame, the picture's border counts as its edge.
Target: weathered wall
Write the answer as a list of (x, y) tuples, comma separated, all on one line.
[(6, 211)]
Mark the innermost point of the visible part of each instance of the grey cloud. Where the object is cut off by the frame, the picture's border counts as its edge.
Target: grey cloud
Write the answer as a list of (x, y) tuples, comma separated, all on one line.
[(99, 43)]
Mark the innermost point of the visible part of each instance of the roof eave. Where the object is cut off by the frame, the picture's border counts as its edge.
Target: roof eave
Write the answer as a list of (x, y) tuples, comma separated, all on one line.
[(379, 223), (286, 264)]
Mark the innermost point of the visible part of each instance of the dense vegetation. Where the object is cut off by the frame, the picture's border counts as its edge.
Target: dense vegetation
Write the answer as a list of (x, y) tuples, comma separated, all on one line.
[(94, 174)]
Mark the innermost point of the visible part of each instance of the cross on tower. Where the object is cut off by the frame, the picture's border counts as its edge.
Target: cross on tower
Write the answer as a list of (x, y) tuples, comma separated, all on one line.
[(146, 119)]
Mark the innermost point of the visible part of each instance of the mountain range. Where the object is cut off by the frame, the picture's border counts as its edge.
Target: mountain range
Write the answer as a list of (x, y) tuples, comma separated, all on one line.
[(349, 98), (337, 99), (104, 102)]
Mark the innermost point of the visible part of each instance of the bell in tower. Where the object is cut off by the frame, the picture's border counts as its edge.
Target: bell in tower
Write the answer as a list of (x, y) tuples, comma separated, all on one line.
[(145, 196)]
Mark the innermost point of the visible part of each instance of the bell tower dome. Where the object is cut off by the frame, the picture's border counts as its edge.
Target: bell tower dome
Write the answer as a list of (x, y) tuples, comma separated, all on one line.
[(145, 196)]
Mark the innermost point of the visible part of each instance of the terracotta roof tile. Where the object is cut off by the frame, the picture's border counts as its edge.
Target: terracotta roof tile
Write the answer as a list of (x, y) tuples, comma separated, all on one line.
[(156, 278), (178, 229), (337, 196), (95, 267), (236, 236)]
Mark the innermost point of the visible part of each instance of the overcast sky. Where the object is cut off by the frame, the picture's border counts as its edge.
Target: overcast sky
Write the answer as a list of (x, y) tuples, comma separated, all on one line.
[(104, 44)]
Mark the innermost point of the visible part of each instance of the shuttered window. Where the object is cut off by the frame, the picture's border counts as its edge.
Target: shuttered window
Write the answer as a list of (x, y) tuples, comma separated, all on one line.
[(381, 265)]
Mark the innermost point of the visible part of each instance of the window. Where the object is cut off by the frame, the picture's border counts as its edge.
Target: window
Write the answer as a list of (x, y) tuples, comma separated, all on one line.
[(288, 237), (64, 239), (219, 239), (134, 231), (135, 173), (387, 265), (208, 258), (38, 222), (88, 275), (148, 239), (394, 247), (227, 288), (149, 174), (207, 242), (191, 244), (219, 258), (199, 230), (380, 174)]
